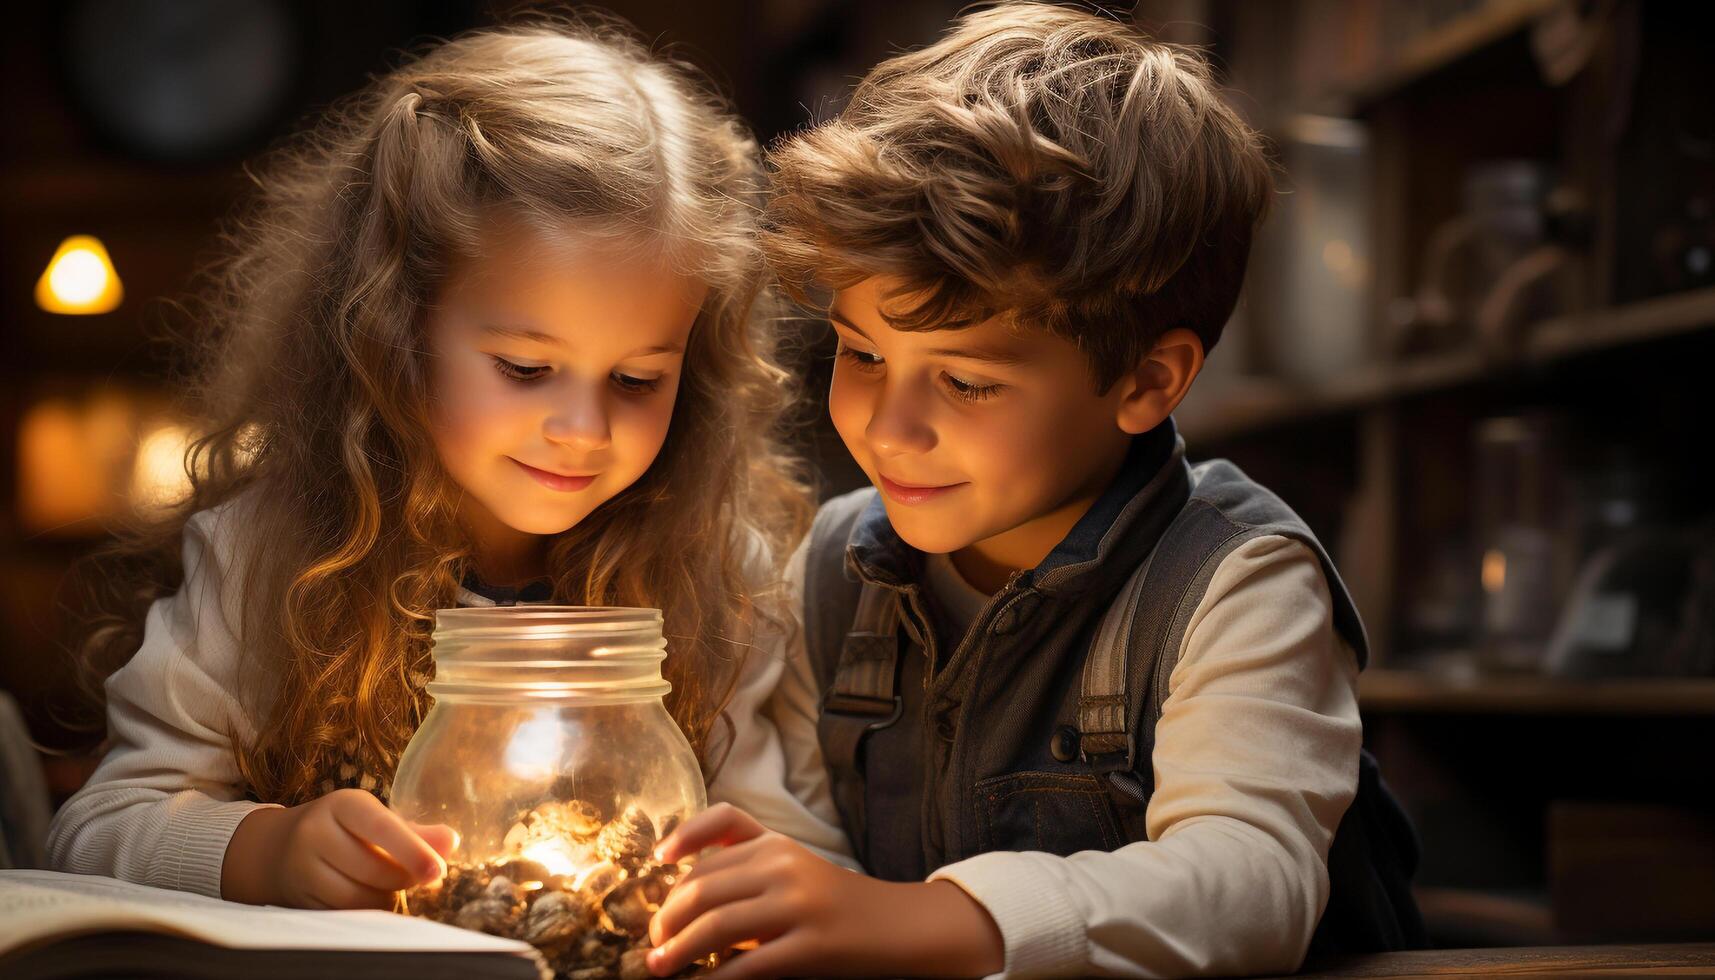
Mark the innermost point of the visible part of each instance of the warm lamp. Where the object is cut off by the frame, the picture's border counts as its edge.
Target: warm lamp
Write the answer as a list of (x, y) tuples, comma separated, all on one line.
[(79, 279)]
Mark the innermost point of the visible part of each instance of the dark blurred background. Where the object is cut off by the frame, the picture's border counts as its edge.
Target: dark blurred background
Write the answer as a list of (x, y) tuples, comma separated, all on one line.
[(1474, 353)]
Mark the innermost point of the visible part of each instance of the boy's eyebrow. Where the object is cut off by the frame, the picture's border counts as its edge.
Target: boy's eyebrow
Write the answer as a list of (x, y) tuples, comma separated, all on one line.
[(968, 353), (834, 315), (537, 336), (979, 354)]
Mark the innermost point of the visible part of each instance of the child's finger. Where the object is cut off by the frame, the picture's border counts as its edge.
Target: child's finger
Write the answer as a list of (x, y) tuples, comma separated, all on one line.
[(733, 856), (783, 957), (444, 839), (690, 899), (369, 820), (715, 932), (720, 825), (332, 888), (364, 863)]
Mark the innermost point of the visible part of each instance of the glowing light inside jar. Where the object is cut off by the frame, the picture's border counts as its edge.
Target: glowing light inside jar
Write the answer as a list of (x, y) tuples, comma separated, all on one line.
[(554, 855)]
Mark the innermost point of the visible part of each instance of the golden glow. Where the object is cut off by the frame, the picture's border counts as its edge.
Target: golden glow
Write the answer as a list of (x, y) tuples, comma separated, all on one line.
[(562, 857), (83, 461), (551, 854), (584, 876), (1494, 570), (79, 279), (72, 461), (158, 477)]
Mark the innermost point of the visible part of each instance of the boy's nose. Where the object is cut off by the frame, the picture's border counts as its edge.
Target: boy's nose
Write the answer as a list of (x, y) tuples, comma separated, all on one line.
[(899, 425)]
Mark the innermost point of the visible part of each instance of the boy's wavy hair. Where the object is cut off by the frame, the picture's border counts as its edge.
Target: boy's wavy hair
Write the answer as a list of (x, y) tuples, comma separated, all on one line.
[(1038, 162), (315, 387)]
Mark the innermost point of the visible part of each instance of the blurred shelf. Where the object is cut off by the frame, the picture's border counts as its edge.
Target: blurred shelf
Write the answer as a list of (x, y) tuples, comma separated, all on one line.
[(98, 187), (1238, 407), (1415, 692), (1467, 917), (1617, 960), (1436, 49)]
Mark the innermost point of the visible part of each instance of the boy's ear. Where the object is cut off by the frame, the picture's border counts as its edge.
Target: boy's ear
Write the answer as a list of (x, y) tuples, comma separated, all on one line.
[(1150, 392)]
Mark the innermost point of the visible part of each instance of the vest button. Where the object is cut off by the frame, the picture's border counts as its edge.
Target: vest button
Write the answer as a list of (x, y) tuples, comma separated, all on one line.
[(1064, 744)]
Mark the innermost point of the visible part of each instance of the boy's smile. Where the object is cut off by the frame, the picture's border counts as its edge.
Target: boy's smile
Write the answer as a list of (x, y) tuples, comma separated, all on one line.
[(987, 443)]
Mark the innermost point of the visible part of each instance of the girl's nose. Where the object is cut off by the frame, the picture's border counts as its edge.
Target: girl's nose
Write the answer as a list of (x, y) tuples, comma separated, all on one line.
[(579, 420), (898, 425)]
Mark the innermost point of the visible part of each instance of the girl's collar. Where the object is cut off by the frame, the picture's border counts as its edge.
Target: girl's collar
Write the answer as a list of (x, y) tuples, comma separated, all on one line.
[(473, 591)]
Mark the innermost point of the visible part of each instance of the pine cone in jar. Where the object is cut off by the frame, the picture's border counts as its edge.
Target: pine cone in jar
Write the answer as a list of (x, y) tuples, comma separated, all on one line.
[(557, 918), (581, 818), (601, 879), (632, 903), (628, 840), (497, 912)]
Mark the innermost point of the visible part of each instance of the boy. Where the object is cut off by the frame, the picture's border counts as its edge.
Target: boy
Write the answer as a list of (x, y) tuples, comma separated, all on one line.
[(1085, 709)]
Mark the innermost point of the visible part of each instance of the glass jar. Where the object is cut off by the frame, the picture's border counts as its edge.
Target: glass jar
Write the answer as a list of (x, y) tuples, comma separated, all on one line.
[(549, 750)]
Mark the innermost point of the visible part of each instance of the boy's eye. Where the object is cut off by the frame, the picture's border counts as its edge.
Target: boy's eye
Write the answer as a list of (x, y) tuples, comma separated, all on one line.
[(520, 372), (633, 385), (970, 391), (862, 360)]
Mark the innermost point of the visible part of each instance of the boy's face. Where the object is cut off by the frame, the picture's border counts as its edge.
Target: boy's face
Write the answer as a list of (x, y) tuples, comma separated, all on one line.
[(971, 435), (554, 375)]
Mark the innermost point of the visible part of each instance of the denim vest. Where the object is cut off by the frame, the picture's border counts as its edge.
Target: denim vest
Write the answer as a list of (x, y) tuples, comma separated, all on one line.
[(978, 749)]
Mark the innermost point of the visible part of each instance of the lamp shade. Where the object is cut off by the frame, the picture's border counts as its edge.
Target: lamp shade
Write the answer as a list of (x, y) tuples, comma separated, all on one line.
[(79, 279)]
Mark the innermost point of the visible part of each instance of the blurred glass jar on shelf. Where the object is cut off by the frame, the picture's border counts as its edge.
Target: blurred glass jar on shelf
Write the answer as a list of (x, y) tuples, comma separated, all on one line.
[(1311, 268), (549, 750), (1643, 601), (1525, 546), (1504, 262)]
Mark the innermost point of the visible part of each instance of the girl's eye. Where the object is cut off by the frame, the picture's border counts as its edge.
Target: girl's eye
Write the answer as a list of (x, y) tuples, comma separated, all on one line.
[(862, 360), (968, 391), (635, 386), (520, 372)]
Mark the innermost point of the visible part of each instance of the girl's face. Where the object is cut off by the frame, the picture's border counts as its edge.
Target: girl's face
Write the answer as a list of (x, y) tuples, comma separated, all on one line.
[(553, 378)]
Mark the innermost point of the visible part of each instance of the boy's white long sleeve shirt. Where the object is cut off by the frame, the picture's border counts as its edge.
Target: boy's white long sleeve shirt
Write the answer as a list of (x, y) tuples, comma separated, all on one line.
[(1255, 759)]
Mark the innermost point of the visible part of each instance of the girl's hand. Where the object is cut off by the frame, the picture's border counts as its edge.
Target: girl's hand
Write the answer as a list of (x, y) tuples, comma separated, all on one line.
[(343, 851), (807, 917)]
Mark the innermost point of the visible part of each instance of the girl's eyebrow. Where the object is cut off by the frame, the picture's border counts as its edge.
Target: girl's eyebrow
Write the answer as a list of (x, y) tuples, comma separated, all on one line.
[(537, 336), (521, 333)]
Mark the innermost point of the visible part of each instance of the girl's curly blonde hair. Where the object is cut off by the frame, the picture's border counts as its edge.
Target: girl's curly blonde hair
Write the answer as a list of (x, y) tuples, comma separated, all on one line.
[(313, 384)]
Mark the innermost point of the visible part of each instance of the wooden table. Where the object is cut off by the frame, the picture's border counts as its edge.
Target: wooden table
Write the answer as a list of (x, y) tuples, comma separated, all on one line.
[(1656, 959)]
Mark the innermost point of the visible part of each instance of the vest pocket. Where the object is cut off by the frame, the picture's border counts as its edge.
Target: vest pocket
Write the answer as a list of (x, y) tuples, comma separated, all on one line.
[(1061, 813)]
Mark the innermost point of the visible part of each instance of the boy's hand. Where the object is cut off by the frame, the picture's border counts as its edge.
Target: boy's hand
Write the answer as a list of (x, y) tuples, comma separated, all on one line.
[(343, 851), (807, 916)]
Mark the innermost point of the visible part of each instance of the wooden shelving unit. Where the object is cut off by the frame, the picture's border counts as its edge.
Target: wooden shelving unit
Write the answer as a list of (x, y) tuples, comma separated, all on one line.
[(1416, 692), (1246, 406), (1435, 50), (1394, 464)]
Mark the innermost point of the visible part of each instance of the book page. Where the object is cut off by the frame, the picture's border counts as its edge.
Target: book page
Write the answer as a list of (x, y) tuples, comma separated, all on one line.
[(37, 906)]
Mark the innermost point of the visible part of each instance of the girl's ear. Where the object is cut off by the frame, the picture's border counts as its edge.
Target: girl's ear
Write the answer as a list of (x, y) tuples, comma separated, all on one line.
[(1150, 392)]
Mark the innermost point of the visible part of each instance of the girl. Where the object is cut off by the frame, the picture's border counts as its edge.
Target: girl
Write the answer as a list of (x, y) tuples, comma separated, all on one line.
[(494, 331)]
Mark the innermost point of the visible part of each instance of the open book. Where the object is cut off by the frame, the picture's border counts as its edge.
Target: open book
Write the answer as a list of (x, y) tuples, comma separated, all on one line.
[(58, 925)]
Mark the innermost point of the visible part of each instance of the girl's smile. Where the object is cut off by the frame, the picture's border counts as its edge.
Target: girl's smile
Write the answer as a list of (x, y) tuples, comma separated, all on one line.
[(565, 483)]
